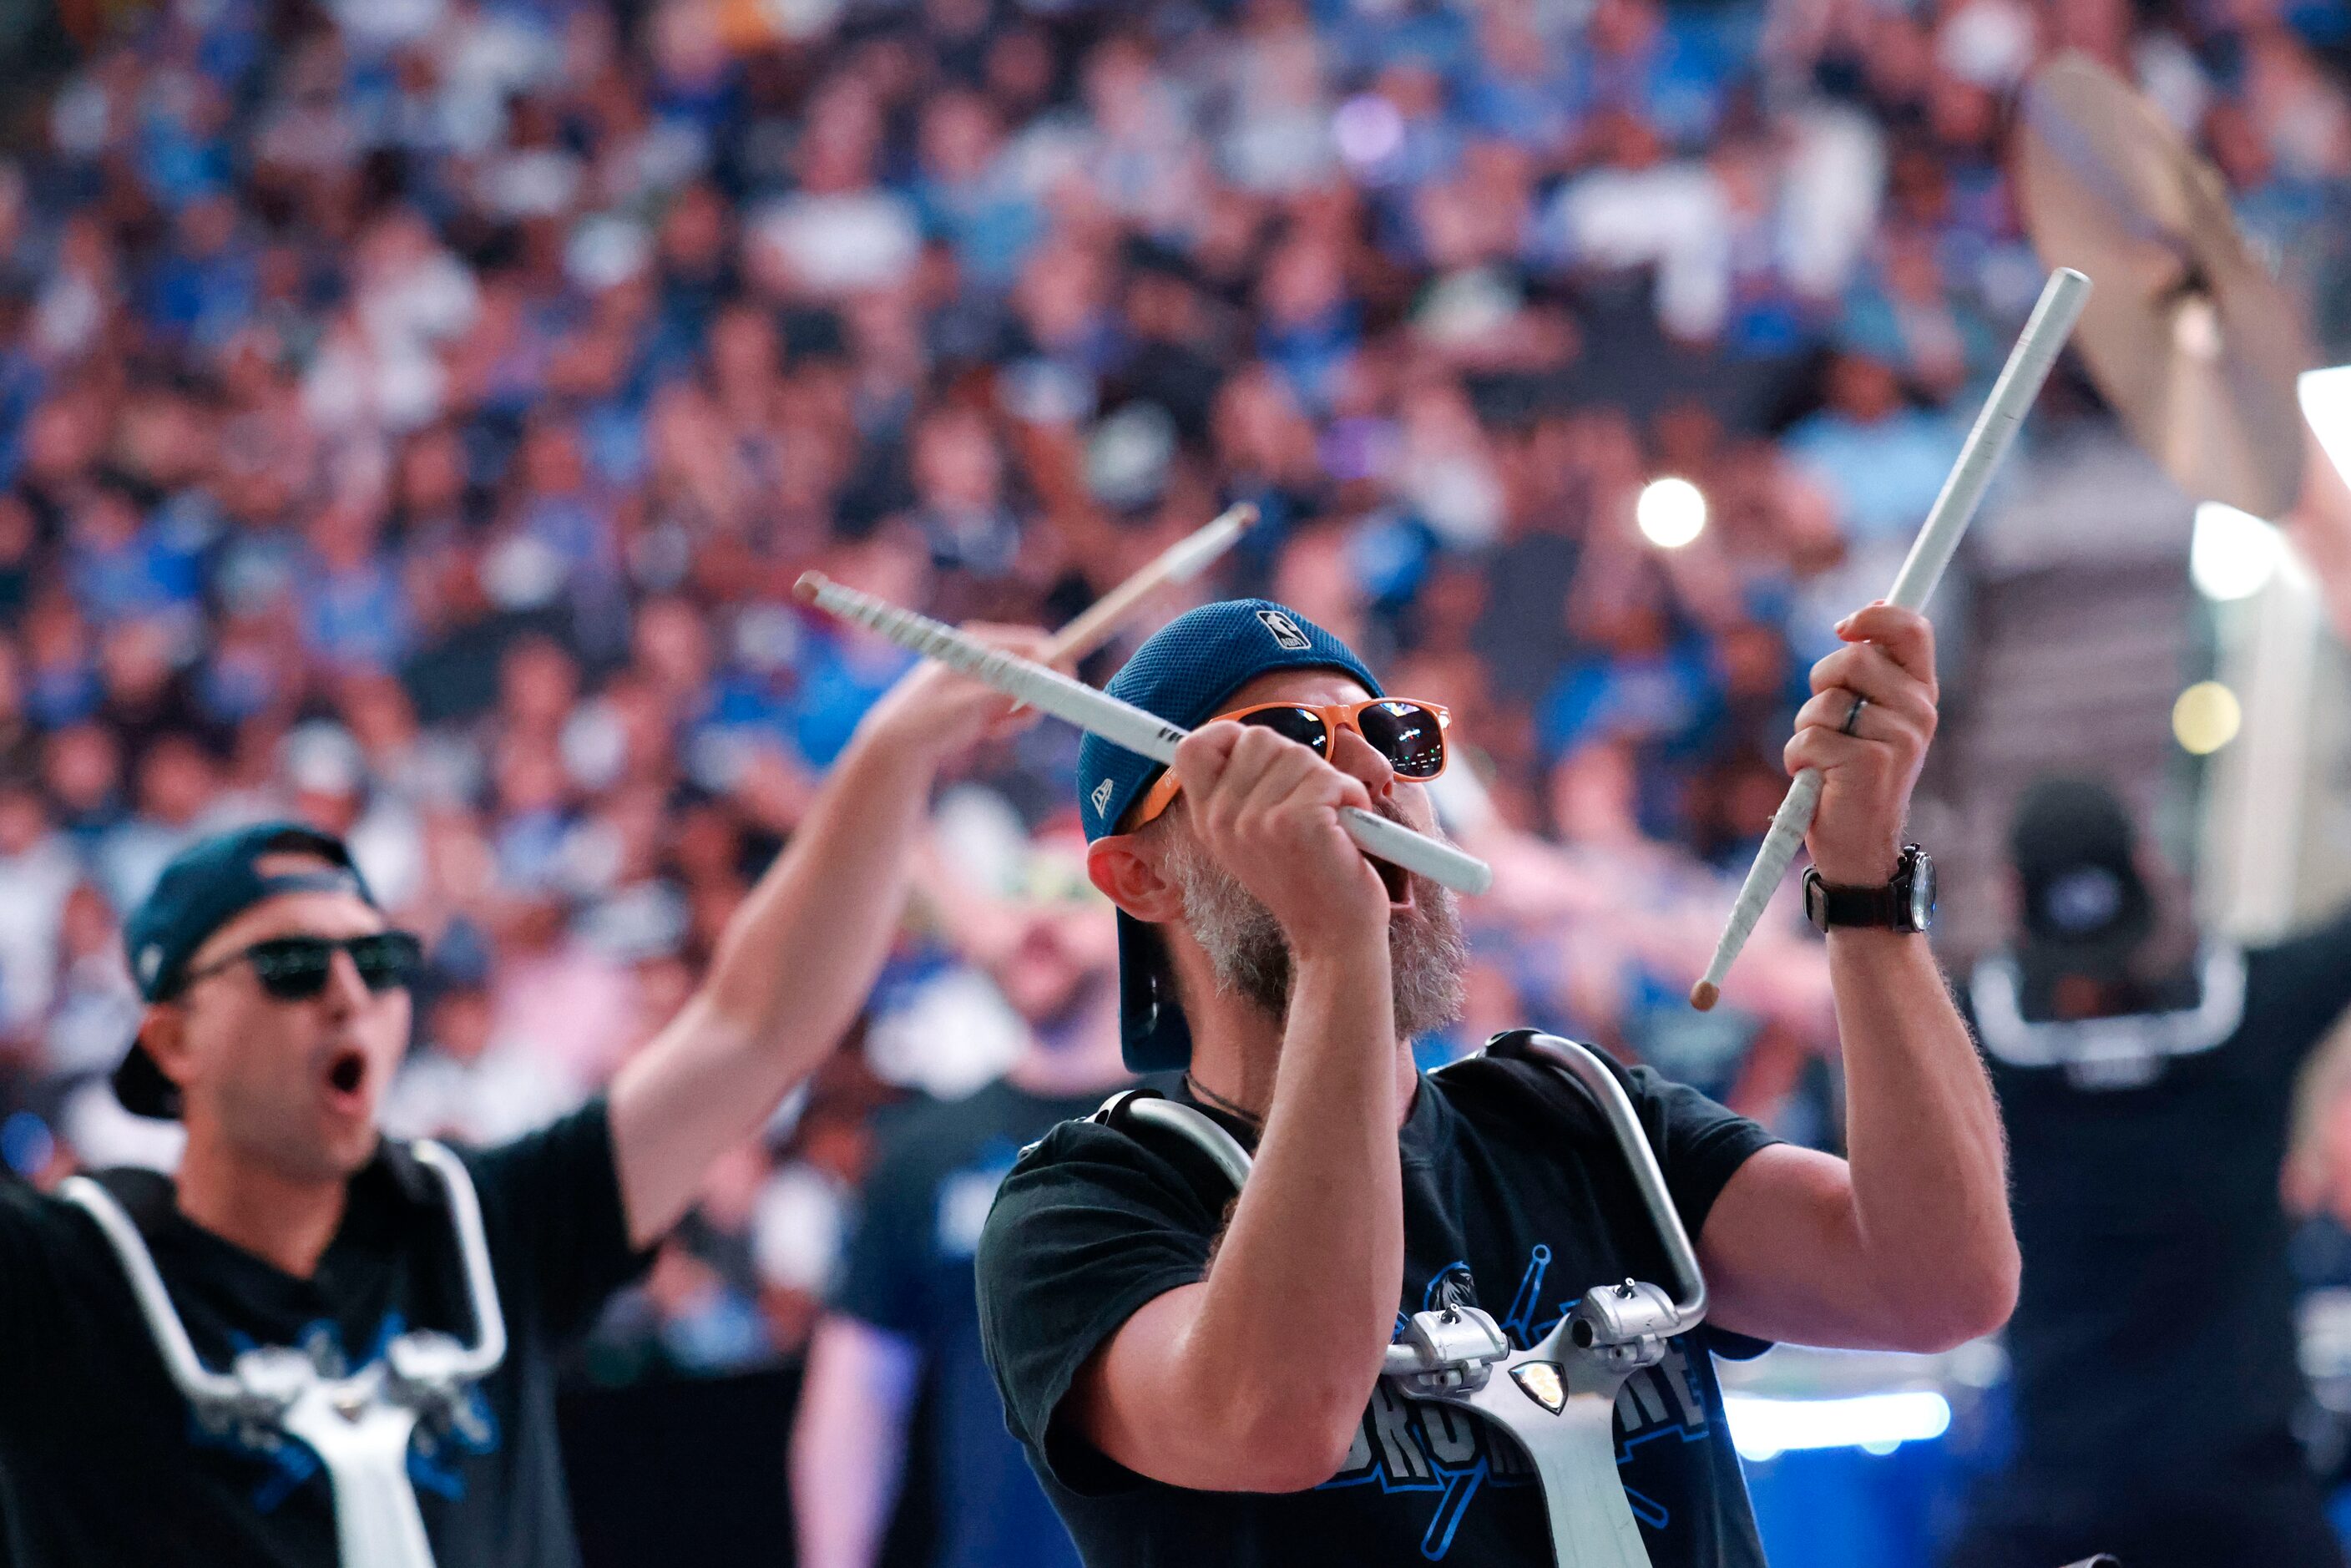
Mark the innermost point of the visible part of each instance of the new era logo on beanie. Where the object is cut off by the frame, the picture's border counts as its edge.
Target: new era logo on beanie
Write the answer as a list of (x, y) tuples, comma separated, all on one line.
[(1185, 674)]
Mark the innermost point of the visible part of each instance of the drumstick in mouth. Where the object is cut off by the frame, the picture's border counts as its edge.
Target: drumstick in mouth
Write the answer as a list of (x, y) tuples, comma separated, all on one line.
[(1120, 723)]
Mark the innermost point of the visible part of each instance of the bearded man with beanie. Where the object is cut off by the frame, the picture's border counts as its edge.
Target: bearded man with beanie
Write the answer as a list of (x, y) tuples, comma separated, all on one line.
[(2146, 1074), (1196, 1378)]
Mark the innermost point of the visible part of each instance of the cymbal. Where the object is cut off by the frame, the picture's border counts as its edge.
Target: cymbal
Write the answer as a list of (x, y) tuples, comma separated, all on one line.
[(2189, 337)]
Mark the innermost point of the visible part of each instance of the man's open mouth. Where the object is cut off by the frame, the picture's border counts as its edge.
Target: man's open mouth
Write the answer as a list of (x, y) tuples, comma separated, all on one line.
[(1398, 883), (347, 1072)]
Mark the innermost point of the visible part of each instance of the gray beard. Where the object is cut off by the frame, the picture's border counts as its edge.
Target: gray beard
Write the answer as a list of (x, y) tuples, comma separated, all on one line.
[(1249, 955)]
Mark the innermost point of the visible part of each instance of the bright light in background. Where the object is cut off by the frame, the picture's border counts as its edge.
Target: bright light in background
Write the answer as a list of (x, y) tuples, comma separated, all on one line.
[(2206, 717), (1765, 1428), (2326, 403), (2234, 554), (1671, 512)]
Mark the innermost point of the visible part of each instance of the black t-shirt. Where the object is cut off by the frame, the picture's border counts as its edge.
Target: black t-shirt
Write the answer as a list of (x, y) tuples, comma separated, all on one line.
[(1515, 1199), (2154, 1337), (103, 1464), (910, 1272)]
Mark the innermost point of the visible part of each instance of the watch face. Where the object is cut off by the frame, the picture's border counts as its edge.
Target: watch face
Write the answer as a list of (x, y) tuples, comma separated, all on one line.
[(1922, 891)]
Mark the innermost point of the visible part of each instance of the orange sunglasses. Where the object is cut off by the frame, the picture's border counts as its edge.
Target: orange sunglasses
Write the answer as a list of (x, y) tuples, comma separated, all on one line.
[(1409, 734)]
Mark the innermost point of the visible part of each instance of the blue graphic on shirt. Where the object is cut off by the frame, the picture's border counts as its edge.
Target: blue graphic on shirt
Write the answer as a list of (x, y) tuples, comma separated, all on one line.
[(434, 1451), (1419, 1445)]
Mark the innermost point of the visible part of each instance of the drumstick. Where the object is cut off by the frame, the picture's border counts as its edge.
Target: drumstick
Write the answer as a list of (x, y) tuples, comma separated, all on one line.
[(1183, 559), (1120, 723), (2052, 319)]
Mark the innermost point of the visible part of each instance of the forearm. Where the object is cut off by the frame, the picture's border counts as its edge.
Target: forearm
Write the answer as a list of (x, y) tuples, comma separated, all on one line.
[(1929, 1162), (849, 1443), (829, 905), (1905, 1243), (1301, 1301), (792, 968)]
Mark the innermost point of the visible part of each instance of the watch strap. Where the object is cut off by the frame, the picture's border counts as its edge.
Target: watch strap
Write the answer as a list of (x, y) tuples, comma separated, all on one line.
[(1887, 905)]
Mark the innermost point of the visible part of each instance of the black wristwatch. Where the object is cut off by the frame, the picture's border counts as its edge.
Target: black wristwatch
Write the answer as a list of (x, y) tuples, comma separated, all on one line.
[(1906, 903)]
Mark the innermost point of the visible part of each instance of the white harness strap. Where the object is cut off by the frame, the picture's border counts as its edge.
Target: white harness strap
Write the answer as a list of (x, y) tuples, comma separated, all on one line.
[(360, 1424), (2121, 1052), (1557, 1399)]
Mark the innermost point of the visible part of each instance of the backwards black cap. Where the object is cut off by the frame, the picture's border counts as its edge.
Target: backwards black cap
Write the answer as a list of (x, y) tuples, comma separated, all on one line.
[(206, 885), (2076, 852)]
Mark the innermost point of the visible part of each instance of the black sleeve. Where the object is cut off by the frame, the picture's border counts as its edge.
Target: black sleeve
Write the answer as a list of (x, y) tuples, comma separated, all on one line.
[(1091, 1225), (1700, 1145), (881, 1280), (2297, 991), (559, 1234), (41, 1285), (16, 1259), (1699, 1142)]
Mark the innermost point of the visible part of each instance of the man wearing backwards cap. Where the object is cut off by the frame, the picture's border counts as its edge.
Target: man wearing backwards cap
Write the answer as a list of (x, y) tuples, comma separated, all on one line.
[(277, 1009), (2148, 1078), (1195, 1389)]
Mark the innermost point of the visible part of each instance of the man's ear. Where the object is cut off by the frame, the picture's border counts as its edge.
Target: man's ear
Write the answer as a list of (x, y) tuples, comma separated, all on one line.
[(1126, 871), (163, 1032)]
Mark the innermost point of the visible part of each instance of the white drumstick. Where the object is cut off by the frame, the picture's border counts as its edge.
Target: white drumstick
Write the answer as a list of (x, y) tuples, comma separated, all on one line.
[(1179, 563), (1120, 723), (2052, 319)]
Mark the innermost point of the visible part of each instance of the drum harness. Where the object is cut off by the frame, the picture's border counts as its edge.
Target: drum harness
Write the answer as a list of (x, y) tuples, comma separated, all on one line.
[(1557, 1399), (359, 1424)]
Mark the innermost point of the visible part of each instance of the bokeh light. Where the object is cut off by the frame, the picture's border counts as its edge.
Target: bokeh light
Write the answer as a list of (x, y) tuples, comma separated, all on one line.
[(2206, 717), (2234, 554), (1671, 512)]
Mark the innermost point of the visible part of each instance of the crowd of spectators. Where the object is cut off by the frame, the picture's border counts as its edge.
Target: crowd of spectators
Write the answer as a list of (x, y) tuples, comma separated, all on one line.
[(412, 414)]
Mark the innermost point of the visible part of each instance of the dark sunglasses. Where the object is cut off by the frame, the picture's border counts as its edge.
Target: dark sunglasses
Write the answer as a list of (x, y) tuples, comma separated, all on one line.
[(1410, 734), (295, 968)]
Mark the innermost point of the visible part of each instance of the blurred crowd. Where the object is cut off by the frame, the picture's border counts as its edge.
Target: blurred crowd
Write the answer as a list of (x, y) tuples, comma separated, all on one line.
[(412, 414)]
